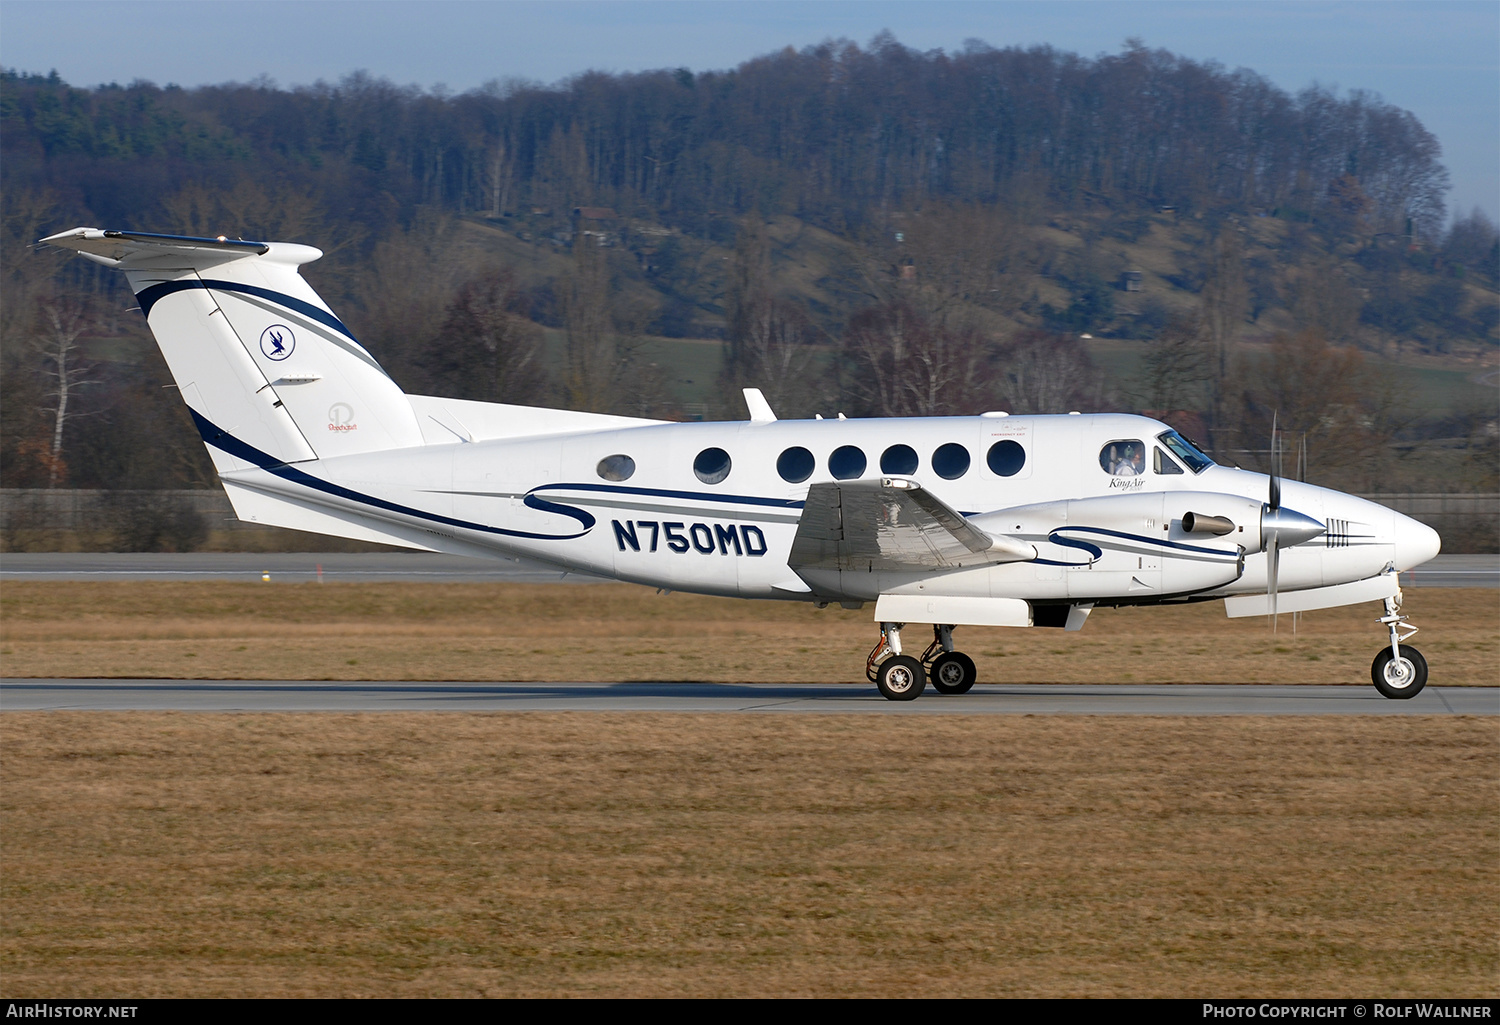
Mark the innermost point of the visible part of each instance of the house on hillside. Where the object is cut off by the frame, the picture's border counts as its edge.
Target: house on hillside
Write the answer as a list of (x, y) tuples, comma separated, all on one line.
[(594, 222)]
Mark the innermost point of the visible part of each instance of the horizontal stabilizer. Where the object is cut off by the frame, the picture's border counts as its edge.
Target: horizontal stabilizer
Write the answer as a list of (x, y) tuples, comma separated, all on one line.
[(891, 523), (113, 247), (269, 509)]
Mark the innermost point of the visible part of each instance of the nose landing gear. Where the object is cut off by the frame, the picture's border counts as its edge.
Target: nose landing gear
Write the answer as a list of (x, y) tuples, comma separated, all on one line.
[(1399, 671), (900, 677)]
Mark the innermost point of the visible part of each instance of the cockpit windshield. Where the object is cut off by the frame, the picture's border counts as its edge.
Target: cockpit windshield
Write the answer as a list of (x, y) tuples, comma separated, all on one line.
[(1184, 450)]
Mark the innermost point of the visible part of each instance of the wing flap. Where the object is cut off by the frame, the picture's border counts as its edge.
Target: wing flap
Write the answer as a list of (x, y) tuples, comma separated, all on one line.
[(891, 523)]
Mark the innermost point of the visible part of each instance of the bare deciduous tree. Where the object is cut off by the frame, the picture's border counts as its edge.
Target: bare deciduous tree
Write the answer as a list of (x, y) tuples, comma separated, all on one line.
[(1175, 367), (592, 359), (907, 365), (1045, 372), (61, 321), (487, 349), (769, 339), (1347, 411), (1327, 303), (777, 355), (1222, 309)]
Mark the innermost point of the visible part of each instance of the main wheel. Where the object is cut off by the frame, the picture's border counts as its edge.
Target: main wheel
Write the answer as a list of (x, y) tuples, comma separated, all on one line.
[(1402, 677), (953, 672), (900, 678)]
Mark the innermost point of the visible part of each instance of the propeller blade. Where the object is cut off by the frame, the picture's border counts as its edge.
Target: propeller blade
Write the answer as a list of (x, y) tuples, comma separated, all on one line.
[(1273, 556), (1275, 495), (1282, 528)]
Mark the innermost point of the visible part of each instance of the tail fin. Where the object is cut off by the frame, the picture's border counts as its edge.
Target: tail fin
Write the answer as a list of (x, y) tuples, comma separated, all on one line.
[(270, 374)]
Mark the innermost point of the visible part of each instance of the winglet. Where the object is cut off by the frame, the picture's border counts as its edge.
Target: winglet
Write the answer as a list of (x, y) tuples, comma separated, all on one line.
[(760, 409)]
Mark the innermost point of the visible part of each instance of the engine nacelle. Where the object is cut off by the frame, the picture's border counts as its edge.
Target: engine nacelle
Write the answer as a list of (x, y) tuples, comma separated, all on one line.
[(1118, 545)]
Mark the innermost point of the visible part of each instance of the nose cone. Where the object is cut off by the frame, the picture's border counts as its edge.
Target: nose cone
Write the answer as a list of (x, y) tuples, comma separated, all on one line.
[(1416, 543)]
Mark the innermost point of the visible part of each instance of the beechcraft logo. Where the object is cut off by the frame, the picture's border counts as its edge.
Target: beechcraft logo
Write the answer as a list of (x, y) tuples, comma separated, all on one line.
[(277, 342), (341, 417)]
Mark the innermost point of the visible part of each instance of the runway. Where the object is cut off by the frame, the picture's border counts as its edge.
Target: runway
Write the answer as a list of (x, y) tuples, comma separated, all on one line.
[(997, 699), (425, 567), (280, 567)]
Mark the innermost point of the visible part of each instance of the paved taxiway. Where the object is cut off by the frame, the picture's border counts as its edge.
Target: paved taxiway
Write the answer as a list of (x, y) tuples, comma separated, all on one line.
[(1018, 699), (282, 567), (423, 567)]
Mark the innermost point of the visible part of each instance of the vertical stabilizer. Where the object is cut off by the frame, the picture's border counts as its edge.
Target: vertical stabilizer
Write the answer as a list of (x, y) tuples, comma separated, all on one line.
[(267, 369)]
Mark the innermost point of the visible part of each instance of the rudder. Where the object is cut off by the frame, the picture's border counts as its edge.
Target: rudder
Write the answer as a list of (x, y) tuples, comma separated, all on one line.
[(282, 378)]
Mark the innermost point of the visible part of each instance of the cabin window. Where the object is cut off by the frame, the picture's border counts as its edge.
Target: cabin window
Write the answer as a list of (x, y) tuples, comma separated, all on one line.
[(616, 467), (1006, 458), (1163, 463), (898, 459), (795, 465), (712, 465), (950, 461), (1186, 451), (1123, 458), (846, 463)]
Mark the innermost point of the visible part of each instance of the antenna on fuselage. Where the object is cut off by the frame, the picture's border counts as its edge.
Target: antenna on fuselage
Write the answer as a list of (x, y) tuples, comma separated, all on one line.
[(760, 409)]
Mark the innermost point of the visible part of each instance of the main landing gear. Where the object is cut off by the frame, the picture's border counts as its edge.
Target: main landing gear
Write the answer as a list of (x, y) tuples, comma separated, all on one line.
[(903, 678), (1399, 671)]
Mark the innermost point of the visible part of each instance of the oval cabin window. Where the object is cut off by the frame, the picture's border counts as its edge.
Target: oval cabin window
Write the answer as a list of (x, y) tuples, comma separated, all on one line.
[(950, 461), (899, 459), (795, 465), (616, 467), (712, 465), (846, 463), (1006, 458)]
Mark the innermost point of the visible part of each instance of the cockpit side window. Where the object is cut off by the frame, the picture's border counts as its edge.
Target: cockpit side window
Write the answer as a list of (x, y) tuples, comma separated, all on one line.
[(1162, 463), (1185, 450), (1123, 458)]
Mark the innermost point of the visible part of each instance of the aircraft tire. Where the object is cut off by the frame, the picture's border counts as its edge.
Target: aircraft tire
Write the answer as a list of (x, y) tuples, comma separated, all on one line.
[(953, 672), (900, 678), (1399, 680)]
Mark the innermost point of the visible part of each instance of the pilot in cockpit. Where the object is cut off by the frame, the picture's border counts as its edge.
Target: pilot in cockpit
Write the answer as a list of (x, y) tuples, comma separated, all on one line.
[(1123, 459)]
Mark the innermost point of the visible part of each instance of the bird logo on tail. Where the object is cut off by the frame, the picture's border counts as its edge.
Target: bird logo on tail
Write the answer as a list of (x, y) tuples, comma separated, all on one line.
[(277, 342)]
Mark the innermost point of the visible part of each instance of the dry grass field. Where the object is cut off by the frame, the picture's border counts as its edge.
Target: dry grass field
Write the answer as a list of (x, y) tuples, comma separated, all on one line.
[(166, 854), (546, 632), (733, 855)]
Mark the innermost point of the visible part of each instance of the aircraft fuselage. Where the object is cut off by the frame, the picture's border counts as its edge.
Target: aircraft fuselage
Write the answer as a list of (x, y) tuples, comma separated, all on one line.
[(1099, 535)]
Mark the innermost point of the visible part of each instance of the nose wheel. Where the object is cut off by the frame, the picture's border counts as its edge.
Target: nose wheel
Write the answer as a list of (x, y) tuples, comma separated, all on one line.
[(1399, 676), (1399, 671)]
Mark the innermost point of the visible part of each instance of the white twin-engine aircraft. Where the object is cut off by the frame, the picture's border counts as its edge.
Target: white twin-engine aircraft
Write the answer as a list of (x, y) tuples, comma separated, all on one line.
[(989, 520)]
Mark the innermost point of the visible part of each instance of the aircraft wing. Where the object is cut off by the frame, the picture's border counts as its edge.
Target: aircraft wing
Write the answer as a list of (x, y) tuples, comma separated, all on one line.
[(891, 523)]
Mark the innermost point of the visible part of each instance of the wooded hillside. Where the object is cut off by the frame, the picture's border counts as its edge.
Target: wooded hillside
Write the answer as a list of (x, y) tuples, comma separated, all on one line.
[(873, 230)]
